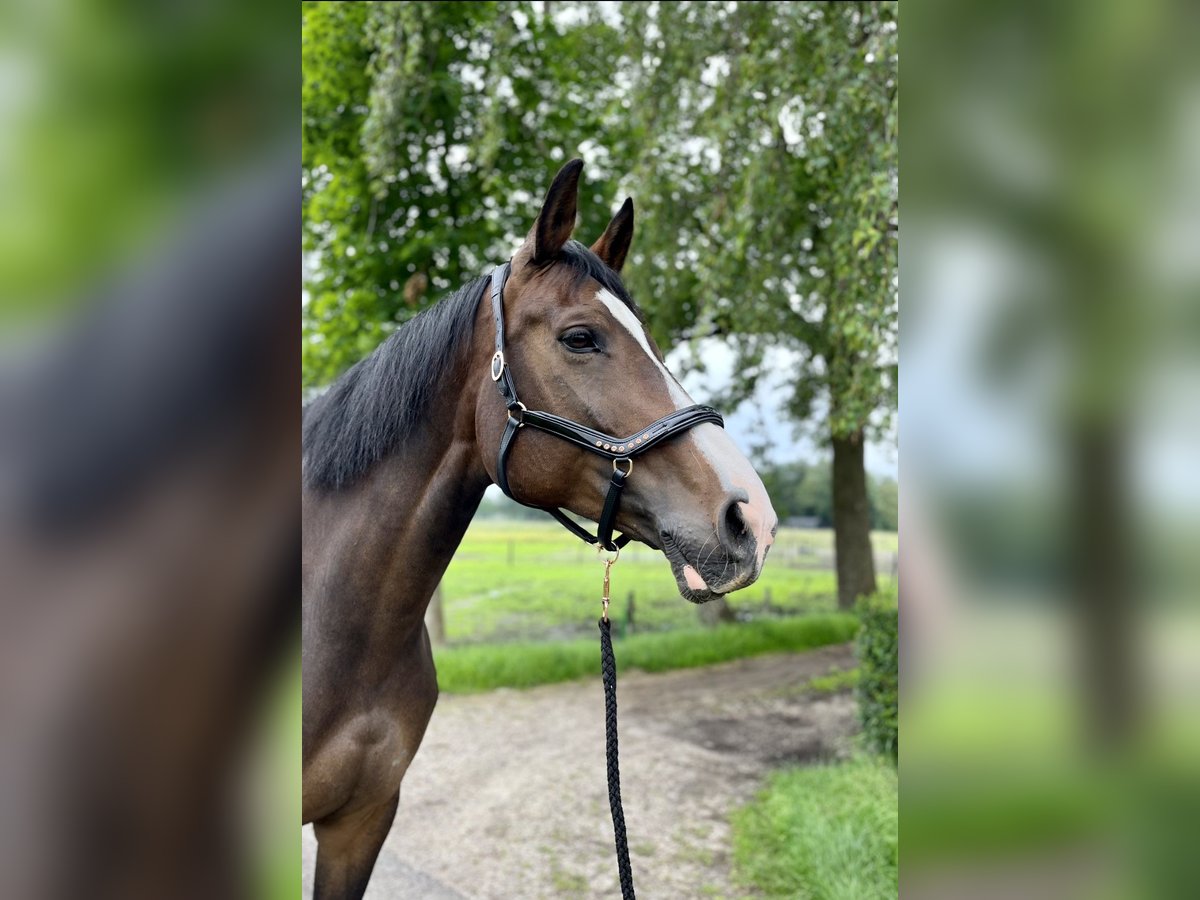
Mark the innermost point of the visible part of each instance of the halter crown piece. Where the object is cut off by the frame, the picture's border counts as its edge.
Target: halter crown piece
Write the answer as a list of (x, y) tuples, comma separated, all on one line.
[(620, 450)]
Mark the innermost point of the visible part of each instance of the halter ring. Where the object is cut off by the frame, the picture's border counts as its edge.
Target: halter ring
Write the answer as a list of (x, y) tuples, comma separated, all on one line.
[(616, 554), (497, 357), (621, 459)]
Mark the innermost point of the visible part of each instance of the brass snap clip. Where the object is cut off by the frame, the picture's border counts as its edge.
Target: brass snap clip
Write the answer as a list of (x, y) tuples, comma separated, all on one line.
[(609, 562)]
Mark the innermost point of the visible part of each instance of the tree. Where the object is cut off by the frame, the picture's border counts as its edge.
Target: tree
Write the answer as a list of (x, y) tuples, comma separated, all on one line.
[(766, 136)]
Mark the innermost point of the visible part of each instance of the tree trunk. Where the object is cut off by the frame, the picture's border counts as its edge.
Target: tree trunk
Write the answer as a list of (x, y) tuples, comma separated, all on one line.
[(1104, 588), (851, 521)]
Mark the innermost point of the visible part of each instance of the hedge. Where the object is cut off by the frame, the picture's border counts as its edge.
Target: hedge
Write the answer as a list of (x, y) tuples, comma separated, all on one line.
[(878, 647)]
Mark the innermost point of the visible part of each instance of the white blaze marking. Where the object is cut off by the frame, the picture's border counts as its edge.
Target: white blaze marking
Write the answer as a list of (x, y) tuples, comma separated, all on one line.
[(727, 461), (625, 316)]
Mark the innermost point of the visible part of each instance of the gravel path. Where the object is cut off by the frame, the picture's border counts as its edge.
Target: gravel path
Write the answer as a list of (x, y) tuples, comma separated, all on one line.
[(507, 796)]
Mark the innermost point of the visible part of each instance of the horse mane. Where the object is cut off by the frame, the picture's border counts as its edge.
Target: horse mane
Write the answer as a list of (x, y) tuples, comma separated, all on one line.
[(376, 404), (379, 401)]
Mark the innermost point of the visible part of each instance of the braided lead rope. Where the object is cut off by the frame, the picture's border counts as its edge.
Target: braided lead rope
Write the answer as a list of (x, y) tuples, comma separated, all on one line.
[(608, 673)]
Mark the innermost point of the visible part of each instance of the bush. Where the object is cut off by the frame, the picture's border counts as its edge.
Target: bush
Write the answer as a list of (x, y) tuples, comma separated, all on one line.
[(878, 648)]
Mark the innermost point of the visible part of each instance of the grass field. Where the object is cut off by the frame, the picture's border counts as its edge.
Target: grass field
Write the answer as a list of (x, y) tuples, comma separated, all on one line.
[(822, 833), (522, 581)]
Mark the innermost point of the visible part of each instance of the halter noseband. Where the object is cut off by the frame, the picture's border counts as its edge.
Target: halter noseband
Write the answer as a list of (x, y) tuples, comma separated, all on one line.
[(620, 450)]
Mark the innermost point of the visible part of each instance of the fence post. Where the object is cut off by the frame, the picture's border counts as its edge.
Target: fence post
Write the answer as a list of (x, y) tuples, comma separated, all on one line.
[(714, 612), (435, 617)]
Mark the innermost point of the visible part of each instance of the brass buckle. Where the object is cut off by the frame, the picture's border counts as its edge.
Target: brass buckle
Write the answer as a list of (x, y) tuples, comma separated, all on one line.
[(497, 357)]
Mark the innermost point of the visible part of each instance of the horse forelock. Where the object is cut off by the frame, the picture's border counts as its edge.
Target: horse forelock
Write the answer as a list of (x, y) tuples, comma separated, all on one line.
[(580, 264)]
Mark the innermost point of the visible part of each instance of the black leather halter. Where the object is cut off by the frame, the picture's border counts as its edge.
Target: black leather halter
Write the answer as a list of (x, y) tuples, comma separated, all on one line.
[(620, 450)]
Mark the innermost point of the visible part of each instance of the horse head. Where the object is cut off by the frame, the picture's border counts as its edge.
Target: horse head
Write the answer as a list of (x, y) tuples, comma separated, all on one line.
[(577, 346)]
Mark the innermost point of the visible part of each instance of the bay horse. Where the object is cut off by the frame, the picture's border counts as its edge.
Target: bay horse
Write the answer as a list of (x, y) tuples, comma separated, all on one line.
[(397, 455)]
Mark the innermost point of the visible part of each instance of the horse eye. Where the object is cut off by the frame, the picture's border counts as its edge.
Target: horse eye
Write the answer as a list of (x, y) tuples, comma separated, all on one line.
[(579, 340)]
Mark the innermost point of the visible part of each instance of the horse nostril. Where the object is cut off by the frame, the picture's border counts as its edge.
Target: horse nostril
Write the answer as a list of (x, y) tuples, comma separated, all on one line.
[(734, 532), (734, 523)]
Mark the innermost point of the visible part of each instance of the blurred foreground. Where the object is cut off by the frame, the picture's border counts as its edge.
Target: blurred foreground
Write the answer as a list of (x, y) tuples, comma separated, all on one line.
[(149, 278), (1050, 632)]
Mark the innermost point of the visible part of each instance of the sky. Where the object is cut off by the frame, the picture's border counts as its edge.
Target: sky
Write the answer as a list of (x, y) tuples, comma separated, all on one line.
[(761, 419)]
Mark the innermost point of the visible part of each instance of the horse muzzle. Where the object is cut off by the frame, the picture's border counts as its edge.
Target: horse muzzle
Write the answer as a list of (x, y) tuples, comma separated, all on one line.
[(728, 558)]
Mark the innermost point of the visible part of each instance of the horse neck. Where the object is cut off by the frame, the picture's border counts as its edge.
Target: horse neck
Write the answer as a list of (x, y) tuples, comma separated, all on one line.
[(378, 550), (431, 491)]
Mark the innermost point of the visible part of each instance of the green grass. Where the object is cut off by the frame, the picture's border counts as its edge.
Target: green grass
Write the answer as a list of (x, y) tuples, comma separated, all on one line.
[(822, 833), (840, 680), (482, 667), (530, 580)]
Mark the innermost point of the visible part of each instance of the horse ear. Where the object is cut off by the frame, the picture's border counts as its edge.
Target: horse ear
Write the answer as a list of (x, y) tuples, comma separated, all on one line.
[(556, 221), (614, 243)]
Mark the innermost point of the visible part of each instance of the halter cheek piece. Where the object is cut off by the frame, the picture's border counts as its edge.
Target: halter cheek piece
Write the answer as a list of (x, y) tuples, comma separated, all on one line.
[(620, 450)]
